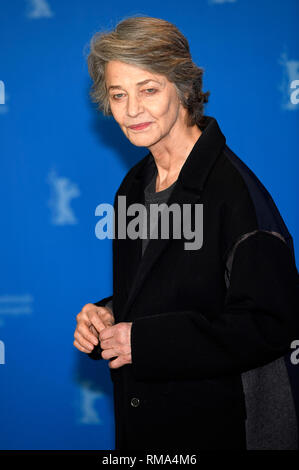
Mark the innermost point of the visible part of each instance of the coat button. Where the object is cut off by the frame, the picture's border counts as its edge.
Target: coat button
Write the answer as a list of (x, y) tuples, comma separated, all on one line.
[(135, 402)]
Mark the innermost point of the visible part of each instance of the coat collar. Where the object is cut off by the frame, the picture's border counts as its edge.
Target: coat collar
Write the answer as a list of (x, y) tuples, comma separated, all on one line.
[(188, 189)]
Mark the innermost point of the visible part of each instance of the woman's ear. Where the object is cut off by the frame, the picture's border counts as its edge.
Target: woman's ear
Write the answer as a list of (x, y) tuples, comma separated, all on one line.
[(186, 97)]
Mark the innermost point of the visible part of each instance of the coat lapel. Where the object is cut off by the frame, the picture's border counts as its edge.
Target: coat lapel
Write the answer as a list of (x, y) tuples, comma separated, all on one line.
[(131, 250), (187, 190)]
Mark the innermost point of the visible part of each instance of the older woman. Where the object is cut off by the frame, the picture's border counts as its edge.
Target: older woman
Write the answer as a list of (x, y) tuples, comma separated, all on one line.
[(190, 334)]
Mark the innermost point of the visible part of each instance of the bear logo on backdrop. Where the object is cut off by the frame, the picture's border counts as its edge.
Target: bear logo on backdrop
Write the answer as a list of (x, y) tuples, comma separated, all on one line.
[(86, 408), (39, 9), (63, 191)]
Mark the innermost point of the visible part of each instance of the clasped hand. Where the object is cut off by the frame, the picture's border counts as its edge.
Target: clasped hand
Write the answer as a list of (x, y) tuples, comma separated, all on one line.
[(116, 343), (96, 324)]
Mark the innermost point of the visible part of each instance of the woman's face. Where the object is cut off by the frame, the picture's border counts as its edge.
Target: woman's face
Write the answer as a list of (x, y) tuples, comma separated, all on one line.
[(138, 96)]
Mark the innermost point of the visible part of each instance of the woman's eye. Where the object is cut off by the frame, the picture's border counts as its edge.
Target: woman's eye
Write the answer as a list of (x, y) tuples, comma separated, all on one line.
[(151, 91), (117, 96)]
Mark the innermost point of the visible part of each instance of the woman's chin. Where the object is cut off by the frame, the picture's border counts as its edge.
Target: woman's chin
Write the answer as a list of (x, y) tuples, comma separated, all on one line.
[(141, 140)]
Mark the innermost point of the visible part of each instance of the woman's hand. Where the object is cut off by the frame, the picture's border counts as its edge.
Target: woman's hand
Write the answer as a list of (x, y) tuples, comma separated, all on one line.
[(116, 343), (90, 322)]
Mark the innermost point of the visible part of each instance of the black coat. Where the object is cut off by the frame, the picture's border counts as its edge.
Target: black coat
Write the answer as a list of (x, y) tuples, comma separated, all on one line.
[(203, 318)]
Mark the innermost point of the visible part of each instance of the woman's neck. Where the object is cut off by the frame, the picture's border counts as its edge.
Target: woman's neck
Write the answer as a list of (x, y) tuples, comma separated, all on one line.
[(171, 155)]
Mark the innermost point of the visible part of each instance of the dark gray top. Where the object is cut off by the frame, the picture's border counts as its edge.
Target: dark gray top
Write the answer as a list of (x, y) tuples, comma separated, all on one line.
[(153, 197), (150, 197)]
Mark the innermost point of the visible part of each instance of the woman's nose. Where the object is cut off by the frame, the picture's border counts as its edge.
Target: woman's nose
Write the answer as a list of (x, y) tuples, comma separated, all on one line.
[(133, 105)]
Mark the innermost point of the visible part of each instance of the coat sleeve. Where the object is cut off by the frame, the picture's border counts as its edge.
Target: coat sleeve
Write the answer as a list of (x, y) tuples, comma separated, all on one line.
[(97, 350), (258, 322)]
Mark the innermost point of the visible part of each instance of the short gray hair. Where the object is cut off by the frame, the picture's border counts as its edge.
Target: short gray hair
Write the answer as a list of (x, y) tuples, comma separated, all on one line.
[(155, 45)]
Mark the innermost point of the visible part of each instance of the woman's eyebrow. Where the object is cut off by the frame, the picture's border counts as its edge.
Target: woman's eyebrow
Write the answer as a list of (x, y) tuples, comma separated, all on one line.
[(139, 83), (149, 80)]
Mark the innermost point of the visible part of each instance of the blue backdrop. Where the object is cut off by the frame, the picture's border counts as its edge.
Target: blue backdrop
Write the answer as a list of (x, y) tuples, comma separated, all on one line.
[(60, 159)]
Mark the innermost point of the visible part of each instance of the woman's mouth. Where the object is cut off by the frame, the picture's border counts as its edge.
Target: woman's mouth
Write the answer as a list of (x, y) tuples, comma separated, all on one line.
[(139, 127)]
